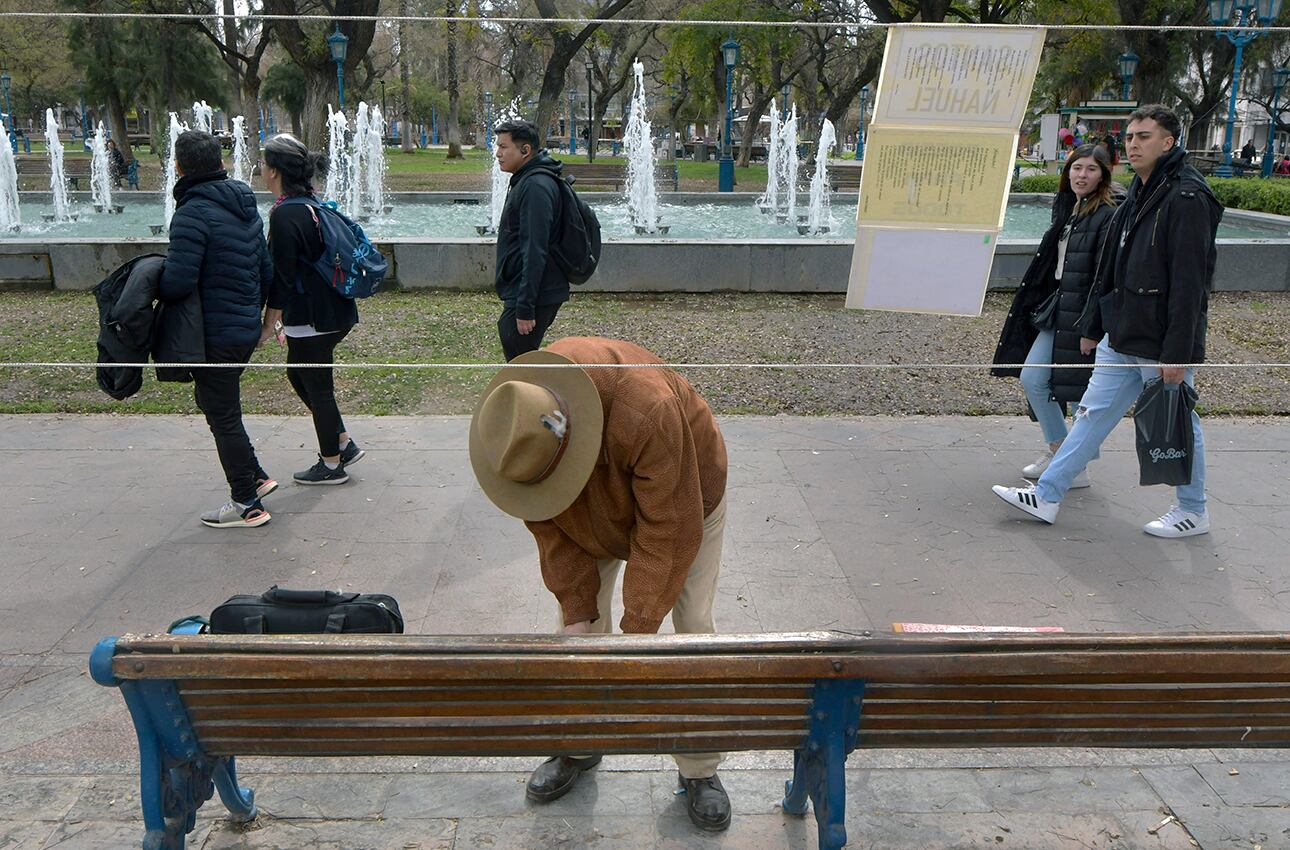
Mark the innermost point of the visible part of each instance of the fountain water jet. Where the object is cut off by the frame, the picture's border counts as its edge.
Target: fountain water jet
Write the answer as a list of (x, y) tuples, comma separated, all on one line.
[(499, 182), (100, 174), (354, 181), (369, 146), (10, 217), (787, 173), (337, 128), (640, 192), (241, 153), (176, 128), (769, 201), (202, 116), (57, 176), (819, 217)]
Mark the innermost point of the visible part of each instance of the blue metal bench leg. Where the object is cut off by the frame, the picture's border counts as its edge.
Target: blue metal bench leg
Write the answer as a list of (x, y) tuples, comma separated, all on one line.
[(819, 769), (239, 801)]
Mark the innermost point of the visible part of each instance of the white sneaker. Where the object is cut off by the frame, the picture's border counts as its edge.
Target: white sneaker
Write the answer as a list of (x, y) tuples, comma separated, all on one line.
[(1036, 469), (1081, 480), (1178, 523), (1026, 499)]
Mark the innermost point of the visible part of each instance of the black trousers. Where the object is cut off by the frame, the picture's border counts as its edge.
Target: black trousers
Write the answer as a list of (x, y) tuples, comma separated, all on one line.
[(317, 387), (219, 396), (513, 343)]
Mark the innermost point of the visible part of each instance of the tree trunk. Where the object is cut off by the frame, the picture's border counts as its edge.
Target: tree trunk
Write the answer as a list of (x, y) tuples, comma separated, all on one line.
[(405, 88), (238, 106), (454, 89), (755, 112), (116, 120), (318, 89), (719, 89)]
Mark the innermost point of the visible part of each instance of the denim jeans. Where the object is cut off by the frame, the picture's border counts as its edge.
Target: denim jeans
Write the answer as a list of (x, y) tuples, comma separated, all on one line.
[(1038, 384), (1112, 390)]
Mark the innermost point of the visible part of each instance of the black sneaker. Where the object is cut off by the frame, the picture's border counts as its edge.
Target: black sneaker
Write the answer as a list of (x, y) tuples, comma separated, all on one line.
[(320, 474), (351, 454)]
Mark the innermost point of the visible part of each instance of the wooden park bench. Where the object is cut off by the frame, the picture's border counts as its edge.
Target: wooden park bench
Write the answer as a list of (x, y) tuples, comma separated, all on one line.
[(198, 701), (844, 178), (36, 170), (615, 174)]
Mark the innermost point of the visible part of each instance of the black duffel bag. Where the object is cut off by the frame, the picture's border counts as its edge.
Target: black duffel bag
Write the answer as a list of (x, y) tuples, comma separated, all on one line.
[(307, 612)]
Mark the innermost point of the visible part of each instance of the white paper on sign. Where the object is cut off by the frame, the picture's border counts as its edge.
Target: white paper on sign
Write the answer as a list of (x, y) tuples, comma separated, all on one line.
[(921, 271)]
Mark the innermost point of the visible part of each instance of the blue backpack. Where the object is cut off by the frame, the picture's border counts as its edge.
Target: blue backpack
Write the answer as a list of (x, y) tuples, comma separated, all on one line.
[(349, 261)]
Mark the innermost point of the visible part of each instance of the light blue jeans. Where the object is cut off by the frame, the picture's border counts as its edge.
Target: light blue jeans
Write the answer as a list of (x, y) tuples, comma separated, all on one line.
[(1112, 390), (1038, 384)]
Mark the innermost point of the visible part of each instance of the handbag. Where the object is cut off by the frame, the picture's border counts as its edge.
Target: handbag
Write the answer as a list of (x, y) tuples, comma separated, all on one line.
[(296, 612), (1044, 317), (1165, 440)]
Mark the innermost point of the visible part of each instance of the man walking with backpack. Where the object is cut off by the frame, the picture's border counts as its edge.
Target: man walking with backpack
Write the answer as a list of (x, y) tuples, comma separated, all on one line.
[(529, 279)]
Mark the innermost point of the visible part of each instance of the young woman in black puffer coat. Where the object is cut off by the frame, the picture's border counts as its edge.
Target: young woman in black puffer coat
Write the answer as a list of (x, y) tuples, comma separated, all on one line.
[(1042, 325)]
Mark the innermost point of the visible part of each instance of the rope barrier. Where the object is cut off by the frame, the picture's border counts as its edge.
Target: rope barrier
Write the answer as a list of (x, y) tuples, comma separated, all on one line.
[(34, 364), (724, 24)]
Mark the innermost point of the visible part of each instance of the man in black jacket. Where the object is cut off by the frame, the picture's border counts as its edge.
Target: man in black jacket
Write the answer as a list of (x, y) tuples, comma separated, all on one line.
[(217, 248), (529, 282), (1148, 305)]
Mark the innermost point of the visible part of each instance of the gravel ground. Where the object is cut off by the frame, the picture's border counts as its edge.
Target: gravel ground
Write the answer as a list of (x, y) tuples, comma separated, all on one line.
[(711, 328)]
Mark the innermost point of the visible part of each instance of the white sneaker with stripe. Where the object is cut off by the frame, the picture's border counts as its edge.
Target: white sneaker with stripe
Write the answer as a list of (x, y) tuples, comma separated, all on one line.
[(1026, 499), (1178, 523)]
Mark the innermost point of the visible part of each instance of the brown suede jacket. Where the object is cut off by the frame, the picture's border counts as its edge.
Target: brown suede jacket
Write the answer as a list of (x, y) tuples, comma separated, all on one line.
[(662, 470)]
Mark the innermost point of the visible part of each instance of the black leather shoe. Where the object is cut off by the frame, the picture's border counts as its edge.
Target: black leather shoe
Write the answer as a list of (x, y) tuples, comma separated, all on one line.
[(556, 776), (707, 802)]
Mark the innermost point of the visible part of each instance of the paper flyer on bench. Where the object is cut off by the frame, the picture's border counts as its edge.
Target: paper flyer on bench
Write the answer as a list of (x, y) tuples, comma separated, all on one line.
[(938, 166)]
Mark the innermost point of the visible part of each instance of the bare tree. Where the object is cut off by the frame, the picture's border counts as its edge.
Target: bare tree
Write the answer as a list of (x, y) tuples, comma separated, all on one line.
[(564, 46)]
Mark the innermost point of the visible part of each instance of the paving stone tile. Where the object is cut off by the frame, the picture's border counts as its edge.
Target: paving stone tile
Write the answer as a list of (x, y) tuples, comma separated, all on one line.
[(528, 833), (1174, 784), (43, 798), (746, 832), (319, 797), (1236, 827), (108, 835), (266, 833), (501, 795), (1069, 791), (24, 834), (112, 797), (1260, 784)]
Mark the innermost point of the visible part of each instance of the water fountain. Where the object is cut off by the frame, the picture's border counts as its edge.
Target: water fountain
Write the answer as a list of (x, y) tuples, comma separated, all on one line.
[(787, 172), (819, 216), (338, 160), (241, 153), (101, 174), (640, 192), (57, 176), (499, 182), (769, 201), (177, 127), (366, 179), (10, 217), (203, 114)]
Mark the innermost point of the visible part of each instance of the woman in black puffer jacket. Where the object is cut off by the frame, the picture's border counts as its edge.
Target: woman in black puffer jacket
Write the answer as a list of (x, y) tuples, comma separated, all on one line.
[(1042, 325)]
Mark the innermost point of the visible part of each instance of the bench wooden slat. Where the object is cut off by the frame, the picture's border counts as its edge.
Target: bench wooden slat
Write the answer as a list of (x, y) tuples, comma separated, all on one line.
[(879, 693), (1067, 721), (256, 691), (516, 746), (786, 708), (967, 668), (1127, 737), (491, 727), (944, 709)]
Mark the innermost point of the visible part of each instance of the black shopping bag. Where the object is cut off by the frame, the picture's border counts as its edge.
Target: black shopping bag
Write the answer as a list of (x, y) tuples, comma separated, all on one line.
[(1162, 419)]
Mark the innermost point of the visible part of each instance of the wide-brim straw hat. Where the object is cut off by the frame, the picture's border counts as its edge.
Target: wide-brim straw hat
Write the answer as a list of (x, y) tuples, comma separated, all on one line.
[(515, 442)]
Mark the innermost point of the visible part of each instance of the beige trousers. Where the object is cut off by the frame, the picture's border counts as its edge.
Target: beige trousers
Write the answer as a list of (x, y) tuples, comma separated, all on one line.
[(691, 615)]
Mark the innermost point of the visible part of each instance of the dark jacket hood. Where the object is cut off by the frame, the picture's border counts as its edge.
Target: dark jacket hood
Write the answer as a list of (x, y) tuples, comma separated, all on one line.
[(233, 195), (542, 162)]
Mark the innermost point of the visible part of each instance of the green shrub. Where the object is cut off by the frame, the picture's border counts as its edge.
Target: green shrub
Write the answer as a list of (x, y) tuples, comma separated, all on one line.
[(1240, 193)]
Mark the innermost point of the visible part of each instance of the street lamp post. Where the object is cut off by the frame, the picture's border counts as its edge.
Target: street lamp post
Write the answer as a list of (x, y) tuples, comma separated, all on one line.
[(573, 139), (591, 142), (5, 81), (338, 44), (726, 168), (1128, 67), (785, 93), (384, 109), (1245, 18), (488, 120), (864, 101), (1279, 77), (671, 123)]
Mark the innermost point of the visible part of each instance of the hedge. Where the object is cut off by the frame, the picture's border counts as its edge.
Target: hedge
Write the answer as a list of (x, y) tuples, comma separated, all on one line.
[(1242, 193)]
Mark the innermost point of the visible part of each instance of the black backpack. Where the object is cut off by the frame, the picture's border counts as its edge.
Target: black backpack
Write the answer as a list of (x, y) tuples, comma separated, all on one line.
[(290, 612), (576, 249)]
